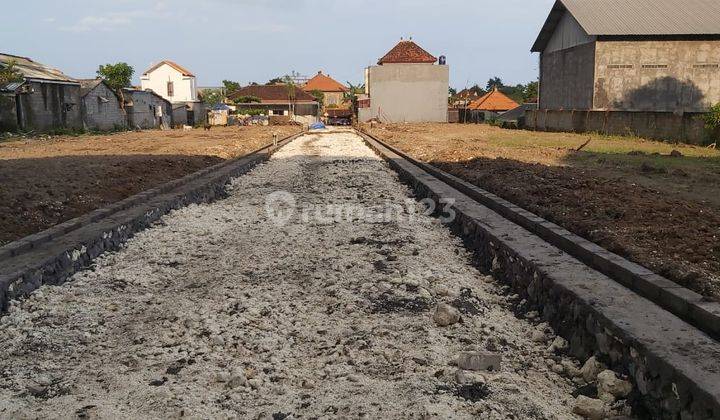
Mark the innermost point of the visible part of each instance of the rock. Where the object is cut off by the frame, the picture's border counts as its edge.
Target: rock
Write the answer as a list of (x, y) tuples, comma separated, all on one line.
[(464, 377), (353, 378), (591, 369), (477, 361), (446, 315), (557, 368), (590, 408), (610, 387), (424, 294), (255, 383), (559, 344), (237, 379), (676, 153), (538, 336), (570, 368), (36, 390)]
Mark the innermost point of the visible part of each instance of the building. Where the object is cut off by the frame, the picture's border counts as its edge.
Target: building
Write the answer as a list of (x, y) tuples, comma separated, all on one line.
[(44, 100), (275, 100), (146, 109), (333, 91), (100, 107), (640, 55), (177, 85), (493, 103), (407, 85)]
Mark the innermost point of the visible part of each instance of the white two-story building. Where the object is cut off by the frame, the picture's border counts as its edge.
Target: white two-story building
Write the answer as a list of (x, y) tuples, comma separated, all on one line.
[(176, 84)]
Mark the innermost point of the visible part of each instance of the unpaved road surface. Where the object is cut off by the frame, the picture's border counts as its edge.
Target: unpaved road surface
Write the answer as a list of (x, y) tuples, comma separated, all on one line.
[(220, 311)]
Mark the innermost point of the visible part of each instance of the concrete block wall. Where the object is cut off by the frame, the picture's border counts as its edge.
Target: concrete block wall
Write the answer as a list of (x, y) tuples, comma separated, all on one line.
[(666, 126), (50, 106), (8, 113), (566, 78), (101, 110), (408, 93), (657, 75)]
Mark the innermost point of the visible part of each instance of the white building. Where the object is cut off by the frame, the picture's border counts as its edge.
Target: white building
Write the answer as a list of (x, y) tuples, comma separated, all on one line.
[(408, 85), (176, 84)]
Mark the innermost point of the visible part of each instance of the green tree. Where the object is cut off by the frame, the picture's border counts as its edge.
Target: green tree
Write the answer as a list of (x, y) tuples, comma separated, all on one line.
[(9, 74), (531, 91), (276, 80), (319, 96), (494, 82), (117, 76), (712, 123), (247, 99), (230, 86), (213, 97), (351, 96)]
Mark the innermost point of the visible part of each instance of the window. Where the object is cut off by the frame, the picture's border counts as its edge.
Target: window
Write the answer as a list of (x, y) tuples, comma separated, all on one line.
[(707, 66), (170, 89), (620, 66), (654, 66)]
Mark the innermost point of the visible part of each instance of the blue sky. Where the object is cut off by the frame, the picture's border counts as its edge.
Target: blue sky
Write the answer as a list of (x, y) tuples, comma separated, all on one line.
[(246, 40)]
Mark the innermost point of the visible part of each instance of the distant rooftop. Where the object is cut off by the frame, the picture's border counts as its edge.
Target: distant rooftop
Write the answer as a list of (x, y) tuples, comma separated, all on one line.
[(324, 83), (34, 70), (176, 66), (407, 51)]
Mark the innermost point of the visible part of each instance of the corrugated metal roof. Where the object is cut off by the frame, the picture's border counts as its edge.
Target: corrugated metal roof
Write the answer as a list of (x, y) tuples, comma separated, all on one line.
[(636, 17), (33, 70)]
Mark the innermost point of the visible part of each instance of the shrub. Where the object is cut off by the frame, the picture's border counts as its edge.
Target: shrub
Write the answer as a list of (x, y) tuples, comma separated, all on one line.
[(712, 122)]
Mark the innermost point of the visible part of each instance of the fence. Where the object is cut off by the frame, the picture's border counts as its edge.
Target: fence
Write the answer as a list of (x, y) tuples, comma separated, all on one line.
[(685, 128)]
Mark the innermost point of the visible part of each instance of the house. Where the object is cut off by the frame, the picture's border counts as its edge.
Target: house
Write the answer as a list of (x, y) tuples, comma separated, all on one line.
[(44, 100), (463, 98), (177, 85), (146, 109), (640, 55), (333, 91), (275, 100), (101, 108), (492, 104), (407, 85)]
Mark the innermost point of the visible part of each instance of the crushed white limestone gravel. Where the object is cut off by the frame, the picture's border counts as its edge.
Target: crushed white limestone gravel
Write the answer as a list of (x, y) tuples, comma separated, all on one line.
[(218, 311)]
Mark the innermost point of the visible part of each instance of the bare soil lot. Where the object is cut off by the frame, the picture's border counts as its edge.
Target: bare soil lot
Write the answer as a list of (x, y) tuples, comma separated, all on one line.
[(46, 181), (628, 195)]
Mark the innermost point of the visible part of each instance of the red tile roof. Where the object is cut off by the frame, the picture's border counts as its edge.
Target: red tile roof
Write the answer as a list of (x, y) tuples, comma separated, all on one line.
[(274, 94), (324, 83), (493, 101), (176, 66), (407, 52)]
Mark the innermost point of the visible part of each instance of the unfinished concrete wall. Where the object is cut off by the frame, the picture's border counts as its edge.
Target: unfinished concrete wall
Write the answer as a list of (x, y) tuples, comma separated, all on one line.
[(567, 77), (686, 128), (568, 34), (667, 76), (50, 106), (408, 93), (8, 113), (142, 112), (101, 110)]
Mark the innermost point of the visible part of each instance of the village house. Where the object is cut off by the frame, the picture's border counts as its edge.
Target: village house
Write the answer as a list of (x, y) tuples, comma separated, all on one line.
[(491, 105), (44, 100), (146, 109), (407, 85), (641, 55), (101, 108), (333, 91), (177, 85), (276, 100)]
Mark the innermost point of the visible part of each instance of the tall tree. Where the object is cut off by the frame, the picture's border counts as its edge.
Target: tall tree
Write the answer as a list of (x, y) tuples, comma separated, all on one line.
[(213, 97), (8, 74), (117, 76), (494, 82), (230, 86), (531, 91)]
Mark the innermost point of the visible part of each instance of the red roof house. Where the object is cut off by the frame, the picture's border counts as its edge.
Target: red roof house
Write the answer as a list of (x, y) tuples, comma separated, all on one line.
[(494, 101), (407, 52), (324, 83)]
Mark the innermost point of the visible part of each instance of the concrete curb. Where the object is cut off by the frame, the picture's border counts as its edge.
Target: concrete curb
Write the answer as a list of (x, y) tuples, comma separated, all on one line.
[(675, 367), (51, 256), (685, 303)]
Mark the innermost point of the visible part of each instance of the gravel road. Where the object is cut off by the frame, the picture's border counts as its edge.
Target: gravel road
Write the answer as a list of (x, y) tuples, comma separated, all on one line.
[(222, 311)]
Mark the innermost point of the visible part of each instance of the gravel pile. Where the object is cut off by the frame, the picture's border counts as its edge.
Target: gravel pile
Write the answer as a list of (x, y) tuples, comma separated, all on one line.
[(218, 311)]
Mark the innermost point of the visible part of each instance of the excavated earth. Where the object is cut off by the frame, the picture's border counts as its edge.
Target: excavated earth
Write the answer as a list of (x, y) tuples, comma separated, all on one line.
[(245, 308)]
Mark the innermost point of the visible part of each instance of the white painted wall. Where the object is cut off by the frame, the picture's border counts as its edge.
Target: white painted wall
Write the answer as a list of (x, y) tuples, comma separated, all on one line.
[(185, 88), (407, 93)]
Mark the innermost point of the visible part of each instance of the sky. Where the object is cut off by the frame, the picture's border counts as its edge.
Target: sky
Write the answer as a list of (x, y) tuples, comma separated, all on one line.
[(256, 40)]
